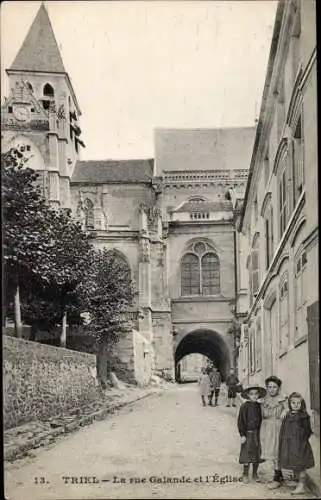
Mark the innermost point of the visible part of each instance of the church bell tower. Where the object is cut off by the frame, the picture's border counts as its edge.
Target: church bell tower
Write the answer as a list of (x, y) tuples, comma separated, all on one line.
[(40, 116)]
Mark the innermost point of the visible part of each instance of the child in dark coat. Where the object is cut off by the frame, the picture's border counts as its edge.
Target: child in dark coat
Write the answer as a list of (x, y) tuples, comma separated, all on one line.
[(295, 452), (249, 425)]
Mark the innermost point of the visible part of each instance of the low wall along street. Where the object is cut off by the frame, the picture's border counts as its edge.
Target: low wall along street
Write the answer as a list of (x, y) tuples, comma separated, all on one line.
[(42, 380)]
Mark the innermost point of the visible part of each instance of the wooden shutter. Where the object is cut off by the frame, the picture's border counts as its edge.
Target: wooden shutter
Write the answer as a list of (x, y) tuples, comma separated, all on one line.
[(314, 355)]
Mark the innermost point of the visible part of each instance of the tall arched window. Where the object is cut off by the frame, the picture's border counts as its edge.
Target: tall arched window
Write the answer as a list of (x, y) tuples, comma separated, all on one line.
[(48, 90), (210, 274), (121, 262), (190, 272), (89, 214), (200, 271)]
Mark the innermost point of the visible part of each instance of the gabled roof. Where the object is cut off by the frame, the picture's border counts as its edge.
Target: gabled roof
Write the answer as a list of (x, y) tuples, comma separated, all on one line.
[(105, 171), (39, 51)]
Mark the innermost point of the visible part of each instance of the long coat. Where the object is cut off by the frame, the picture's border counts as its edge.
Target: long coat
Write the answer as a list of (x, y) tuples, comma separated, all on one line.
[(295, 452), (249, 424), (215, 379), (204, 384), (272, 408)]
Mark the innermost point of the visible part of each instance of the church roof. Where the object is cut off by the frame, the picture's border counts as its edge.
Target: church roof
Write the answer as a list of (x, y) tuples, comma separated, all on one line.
[(105, 171), (39, 51), (206, 206), (203, 149)]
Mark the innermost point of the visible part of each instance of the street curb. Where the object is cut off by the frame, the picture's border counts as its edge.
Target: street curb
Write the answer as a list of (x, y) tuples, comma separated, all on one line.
[(15, 452)]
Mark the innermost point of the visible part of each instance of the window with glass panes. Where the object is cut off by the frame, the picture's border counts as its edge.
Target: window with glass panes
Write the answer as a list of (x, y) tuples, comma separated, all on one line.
[(190, 274), (300, 296), (200, 271)]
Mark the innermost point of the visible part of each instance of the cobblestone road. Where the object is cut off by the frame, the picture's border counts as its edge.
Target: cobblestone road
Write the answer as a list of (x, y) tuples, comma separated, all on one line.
[(168, 435)]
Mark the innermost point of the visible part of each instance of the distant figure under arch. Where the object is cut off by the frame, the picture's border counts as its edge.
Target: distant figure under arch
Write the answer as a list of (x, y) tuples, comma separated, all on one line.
[(207, 342)]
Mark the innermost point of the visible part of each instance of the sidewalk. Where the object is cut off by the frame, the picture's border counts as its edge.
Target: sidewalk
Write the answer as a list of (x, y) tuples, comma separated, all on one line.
[(18, 441)]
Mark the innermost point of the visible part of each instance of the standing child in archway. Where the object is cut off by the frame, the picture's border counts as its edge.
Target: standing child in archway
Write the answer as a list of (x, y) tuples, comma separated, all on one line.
[(231, 381), (205, 385), (215, 380)]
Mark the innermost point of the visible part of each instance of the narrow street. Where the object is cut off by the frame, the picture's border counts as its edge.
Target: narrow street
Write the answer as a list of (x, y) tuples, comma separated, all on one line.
[(167, 435)]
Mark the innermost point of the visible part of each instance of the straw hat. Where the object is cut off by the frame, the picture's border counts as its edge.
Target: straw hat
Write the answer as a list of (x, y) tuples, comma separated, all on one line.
[(261, 390)]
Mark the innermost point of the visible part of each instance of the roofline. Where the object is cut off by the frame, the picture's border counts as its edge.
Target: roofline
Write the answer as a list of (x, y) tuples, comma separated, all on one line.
[(206, 128), (13, 71), (266, 90), (117, 160), (90, 183)]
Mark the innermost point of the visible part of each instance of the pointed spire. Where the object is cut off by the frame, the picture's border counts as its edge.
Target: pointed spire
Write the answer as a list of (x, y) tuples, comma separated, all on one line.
[(39, 51)]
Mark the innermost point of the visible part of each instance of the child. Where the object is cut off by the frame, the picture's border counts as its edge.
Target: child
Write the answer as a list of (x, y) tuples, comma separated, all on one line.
[(215, 381), (273, 410), (295, 452), (249, 425), (205, 385), (231, 381)]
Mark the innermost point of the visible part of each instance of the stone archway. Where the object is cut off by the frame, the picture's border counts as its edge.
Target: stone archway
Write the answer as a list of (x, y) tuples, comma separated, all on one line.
[(206, 342)]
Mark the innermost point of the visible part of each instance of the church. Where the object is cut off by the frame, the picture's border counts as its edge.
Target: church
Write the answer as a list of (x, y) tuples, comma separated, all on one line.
[(171, 218)]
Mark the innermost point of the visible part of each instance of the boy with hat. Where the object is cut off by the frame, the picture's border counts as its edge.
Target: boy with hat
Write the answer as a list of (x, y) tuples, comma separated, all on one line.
[(249, 425), (274, 408)]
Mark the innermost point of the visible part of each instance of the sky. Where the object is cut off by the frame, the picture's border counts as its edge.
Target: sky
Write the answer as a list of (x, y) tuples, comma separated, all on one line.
[(139, 65)]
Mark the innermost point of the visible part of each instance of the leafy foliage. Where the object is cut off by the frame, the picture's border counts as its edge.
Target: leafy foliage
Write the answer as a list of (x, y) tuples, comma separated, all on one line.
[(107, 295), (46, 252), (50, 258)]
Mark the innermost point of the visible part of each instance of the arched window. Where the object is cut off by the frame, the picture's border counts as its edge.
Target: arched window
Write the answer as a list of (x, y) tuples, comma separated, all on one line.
[(48, 90), (89, 214), (210, 274), (121, 262), (200, 271), (29, 86), (190, 273)]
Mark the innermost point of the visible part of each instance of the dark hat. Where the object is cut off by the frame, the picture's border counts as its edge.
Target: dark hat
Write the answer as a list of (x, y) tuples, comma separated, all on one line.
[(274, 379), (262, 391)]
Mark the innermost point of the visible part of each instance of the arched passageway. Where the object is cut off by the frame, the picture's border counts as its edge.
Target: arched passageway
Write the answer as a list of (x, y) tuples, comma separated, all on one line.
[(206, 342)]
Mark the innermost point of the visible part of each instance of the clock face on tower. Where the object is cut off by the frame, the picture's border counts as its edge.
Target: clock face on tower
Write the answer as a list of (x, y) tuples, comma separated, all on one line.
[(21, 112)]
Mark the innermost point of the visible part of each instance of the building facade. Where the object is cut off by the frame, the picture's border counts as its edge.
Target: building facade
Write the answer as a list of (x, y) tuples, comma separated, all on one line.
[(278, 224), (169, 218)]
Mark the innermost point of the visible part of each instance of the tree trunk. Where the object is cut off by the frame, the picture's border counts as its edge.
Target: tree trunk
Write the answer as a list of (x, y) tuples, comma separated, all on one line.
[(63, 335), (102, 365), (17, 313)]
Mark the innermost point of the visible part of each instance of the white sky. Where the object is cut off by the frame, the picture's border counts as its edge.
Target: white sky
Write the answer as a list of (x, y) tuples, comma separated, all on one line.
[(140, 65)]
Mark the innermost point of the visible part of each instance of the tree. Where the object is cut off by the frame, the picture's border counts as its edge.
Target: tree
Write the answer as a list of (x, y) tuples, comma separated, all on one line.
[(23, 209), (41, 245), (107, 296), (64, 267)]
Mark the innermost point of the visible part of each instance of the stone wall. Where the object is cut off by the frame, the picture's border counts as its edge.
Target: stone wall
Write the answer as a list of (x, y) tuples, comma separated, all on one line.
[(42, 381), (131, 358)]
